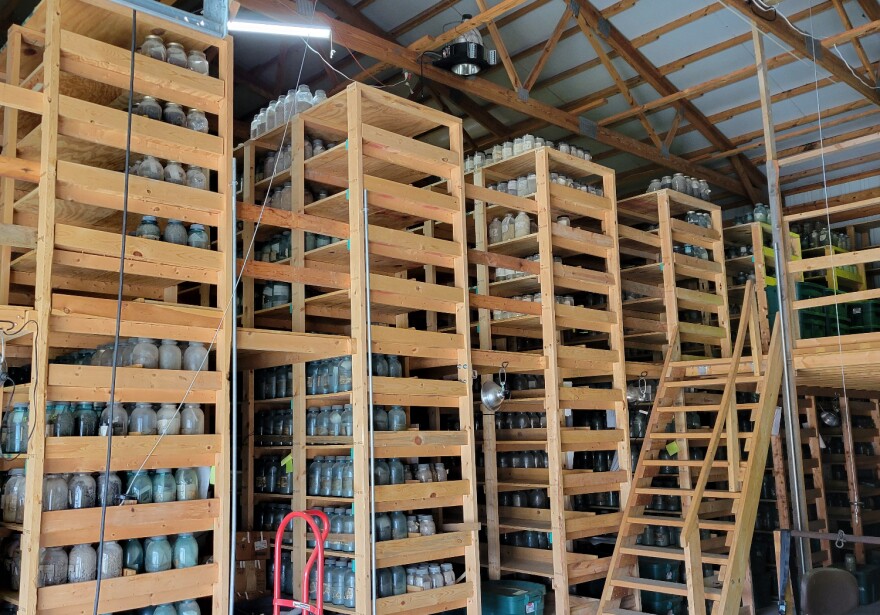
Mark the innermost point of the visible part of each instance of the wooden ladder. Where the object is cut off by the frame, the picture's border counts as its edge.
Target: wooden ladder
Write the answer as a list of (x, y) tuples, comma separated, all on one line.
[(695, 454)]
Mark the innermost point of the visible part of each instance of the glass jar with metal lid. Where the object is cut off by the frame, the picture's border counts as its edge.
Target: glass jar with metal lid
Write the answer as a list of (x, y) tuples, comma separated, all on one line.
[(174, 114), (197, 62), (196, 178), (81, 491), (196, 120), (154, 47)]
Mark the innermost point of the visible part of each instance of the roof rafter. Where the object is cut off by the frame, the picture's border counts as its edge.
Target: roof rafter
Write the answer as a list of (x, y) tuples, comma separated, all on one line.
[(752, 179), (857, 44), (501, 48), (384, 50), (548, 49), (806, 47)]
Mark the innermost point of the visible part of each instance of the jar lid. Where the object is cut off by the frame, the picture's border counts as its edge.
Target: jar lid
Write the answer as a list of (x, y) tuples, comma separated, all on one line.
[(155, 37), (149, 219)]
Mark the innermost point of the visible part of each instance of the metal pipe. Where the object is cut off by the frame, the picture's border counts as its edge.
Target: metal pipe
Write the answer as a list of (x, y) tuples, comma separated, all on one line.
[(233, 486), (369, 351)]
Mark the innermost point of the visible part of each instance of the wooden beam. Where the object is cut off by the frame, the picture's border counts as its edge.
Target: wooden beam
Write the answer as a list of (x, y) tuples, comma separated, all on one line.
[(747, 172), (806, 47), (857, 44), (387, 51), (474, 110), (825, 150), (549, 46), (352, 15), (673, 130), (871, 9), (501, 48)]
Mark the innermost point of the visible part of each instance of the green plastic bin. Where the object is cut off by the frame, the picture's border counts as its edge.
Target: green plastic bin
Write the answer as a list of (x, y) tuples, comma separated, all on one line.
[(665, 605), (864, 316), (509, 597)]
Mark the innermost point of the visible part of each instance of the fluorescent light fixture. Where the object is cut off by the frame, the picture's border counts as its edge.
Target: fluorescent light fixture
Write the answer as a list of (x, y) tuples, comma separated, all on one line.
[(257, 27)]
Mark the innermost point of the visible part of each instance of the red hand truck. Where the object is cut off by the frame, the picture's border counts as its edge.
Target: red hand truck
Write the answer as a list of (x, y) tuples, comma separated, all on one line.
[(321, 534)]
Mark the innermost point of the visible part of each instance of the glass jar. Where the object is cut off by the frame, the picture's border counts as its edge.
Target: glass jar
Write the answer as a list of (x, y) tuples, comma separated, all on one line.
[(197, 62), (170, 356), (168, 420), (114, 489), (119, 420), (381, 472), (320, 96), (185, 551), (17, 430), (188, 607), (54, 492), (175, 54), (174, 174), (150, 107), (82, 564), (111, 560), (147, 229), (495, 234), (398, 526), (508, 228), (164, 486), (436, 575), (348, 479), (187, 480), (85, 420), (142, 421), (383, 527), (53, 567), (760, 213), (145, 353), (157, 554), (303, 98), (151, 168), (196, 120), (140, 487), (81, 491), (173, 114), (133, 555), (64, 421), (194, 358), (396, 472), (397, 420), (380, 419), (154, 47), (196, 178), (13, 497), (423, 473), (192, 420), (198, 237)]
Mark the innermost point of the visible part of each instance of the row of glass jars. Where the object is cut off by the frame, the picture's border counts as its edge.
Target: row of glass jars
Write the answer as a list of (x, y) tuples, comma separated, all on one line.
[(520, 420), (274, 427), (397, 526), (276, 248), (282, 110), (536, 298), (339, 582), (697, 188), (273, 382), (523, 459), (517, 146), (274, 294), (194, 119), (336, 420), (271, 477), (175, 232), (172, 172), (528, 539), (534, 498), (157, 554), (334, 375), (511, 227), (502, 274), (172, 52), (526, 185), (818, 235), (142, 419), (280, 160), (149, 353)]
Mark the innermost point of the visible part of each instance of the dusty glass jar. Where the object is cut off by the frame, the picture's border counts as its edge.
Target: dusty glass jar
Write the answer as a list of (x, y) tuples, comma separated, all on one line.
[(114, 489), (82, 564), (64, 420), (54, 492), (81, 491), (423, 473), (154, 47), (142, 421), (85, 420), (170, 356), (147, 229), (53, 567), (140, 487), (17, 430), (188, 607), (119, 420), (185, 551), (175, 54), (194, 356), (174, 174), (13, 497), (187, 480), (427, 527), (165, 609), (198, 237), (173, 114), (175, 232), (197, 62), (157, 554), (196, 178), (111, 560), (151, 168), (150, 107), (145, 353), (192, 420), (133, 555), (164, 486), (397, 419), (168, 420), (196, 120)]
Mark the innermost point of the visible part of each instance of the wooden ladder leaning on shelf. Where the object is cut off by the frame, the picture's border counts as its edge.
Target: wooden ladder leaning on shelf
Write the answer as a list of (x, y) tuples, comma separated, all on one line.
[(715, 523)]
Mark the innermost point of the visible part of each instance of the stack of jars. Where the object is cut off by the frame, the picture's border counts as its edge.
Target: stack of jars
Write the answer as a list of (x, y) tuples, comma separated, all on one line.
[(274, 382), (535, 498), (274, 294), (271, 477), (339, 582), (427, 576), (529, 539), (175, 232), (334, 375), (341, 524), (511, 227), (150, 353), (520, 420), (697, 188), (276, 248), (85, 490), (663, 536), (524, 185), (154, 47), (139, 419), (703, 220), (393, 419), (334, 421), (315, 241), (519, 145), (523, 459), (172, 113), (172, 172), (331, 477), (274, 427), (523, 382), (282, 110)]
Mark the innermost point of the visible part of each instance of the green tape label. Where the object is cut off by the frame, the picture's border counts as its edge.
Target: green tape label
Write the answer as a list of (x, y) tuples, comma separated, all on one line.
[(287, 464), (212, 479), (672, 448)]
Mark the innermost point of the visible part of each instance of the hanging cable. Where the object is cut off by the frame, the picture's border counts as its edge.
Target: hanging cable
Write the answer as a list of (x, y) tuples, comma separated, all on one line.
[(118, 324)]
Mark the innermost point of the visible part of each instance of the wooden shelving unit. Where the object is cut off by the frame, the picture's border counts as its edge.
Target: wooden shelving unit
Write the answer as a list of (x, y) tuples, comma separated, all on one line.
[(666, 283), (68, 70), (576, 346), (383, 288)]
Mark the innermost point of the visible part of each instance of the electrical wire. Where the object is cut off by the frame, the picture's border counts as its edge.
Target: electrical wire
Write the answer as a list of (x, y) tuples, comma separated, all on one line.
[(118, 324)]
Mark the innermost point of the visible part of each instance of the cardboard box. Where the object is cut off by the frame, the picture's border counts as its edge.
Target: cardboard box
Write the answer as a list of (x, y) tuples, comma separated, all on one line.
[(250, 576), (252, 545)]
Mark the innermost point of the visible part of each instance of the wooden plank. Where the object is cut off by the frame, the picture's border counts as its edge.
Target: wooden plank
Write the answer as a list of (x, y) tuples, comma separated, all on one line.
[(420, 495), (403, 151), (92, 383), (427, 602), (88, 454), (424, 548), (19, 169), (409, 200)]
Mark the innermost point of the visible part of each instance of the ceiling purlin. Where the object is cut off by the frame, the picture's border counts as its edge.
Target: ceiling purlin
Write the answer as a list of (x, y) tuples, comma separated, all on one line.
[(408, 59), (590, 18)]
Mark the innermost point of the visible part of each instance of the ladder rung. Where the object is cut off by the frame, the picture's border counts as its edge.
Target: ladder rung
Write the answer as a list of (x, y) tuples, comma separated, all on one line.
[(681, 463), (676, 409), (704, 382), (673, 553), (708, 493), (704, 524), (682, 435), (665, 587)]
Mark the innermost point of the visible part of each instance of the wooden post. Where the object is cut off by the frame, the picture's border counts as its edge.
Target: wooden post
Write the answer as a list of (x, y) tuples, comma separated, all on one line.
[(10, 140)]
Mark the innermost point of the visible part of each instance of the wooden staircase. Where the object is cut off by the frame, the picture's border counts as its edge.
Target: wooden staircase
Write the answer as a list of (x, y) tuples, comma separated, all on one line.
[(697, 483)]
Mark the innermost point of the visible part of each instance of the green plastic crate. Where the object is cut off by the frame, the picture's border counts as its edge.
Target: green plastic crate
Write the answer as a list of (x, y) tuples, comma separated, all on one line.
[(812, 324), (864, 315), (509, 597), (664, 605)]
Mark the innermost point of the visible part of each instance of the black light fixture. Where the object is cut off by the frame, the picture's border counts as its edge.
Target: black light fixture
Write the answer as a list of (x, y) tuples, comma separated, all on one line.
[(466, 56)]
